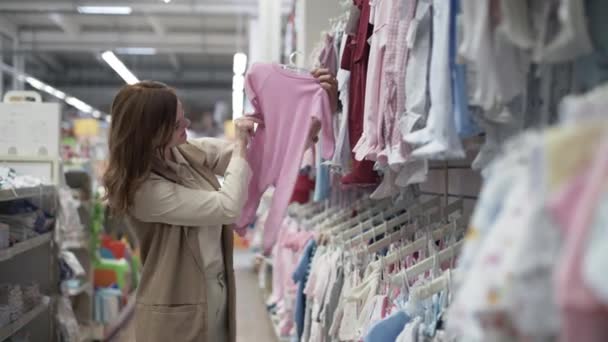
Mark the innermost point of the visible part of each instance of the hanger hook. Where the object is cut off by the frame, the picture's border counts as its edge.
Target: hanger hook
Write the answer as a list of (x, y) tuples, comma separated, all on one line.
[(292, 57)]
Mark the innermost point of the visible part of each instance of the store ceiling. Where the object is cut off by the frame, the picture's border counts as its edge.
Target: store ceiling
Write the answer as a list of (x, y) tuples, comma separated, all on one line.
[(194, 41)]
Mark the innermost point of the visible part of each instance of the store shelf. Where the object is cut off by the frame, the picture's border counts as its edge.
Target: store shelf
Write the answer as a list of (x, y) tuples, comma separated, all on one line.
[(13, 328), (85, 287), (22, 247), (21, 193)]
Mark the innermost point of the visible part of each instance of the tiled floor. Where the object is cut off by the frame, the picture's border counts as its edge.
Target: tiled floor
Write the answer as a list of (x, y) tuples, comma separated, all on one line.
[(252, 319)]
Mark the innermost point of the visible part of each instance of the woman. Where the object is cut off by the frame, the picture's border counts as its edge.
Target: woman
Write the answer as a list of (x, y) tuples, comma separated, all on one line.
[(167, 187)]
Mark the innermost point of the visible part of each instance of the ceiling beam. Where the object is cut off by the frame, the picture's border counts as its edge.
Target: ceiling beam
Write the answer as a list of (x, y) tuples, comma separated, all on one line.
[(161, 48), (207, 7), (8, 28), (174, 61), (51, 61), (180, 43), (69, 27), (201, 75), (122, 39), (161, 31), (156, 25)]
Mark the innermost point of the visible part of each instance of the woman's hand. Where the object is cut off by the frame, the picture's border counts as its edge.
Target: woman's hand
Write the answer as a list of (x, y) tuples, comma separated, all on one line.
[(243, 130), (330, 84)]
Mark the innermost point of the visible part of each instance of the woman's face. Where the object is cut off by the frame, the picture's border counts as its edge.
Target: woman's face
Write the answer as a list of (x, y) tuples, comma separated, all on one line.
[(179, 134)]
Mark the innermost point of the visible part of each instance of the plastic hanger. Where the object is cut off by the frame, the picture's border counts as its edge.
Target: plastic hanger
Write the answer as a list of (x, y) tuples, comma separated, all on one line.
[(374, 212), (412, 209), (396, 255), (292, 65), (346, 213), (425, 265), (439, 284)]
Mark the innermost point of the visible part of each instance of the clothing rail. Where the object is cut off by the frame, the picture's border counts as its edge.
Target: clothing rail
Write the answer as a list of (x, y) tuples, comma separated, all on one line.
[(451, 195)]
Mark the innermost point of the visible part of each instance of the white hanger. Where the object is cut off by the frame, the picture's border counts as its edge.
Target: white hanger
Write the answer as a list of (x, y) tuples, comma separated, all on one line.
[(347, 212), (396, 255), (371, 211), (439, 284), (412, 209), (427, 264), (292, 65)]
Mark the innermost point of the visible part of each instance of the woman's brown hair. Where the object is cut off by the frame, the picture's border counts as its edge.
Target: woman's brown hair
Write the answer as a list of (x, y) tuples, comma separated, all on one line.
[(143, 122)]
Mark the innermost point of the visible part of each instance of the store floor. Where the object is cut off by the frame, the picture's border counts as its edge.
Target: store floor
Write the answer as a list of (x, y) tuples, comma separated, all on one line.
[(250, 307)]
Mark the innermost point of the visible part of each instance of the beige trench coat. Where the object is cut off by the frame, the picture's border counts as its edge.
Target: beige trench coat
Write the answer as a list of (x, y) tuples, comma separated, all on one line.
[(171, 298)]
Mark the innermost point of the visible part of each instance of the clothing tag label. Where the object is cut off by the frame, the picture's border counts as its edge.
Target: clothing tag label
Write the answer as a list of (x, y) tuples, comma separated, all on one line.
[(410, 39), (353, 20)]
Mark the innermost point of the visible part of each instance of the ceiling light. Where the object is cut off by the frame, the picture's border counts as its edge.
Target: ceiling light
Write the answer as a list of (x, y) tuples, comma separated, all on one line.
[(108, 119), (58, 94), (81, 106), (96, 114), (135, 51), (116, 64), (35, 83), (117, 10), (239, 63), (167, 1)]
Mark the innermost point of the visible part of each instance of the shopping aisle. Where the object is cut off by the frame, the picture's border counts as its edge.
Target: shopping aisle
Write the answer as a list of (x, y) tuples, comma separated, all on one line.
[(252, 322), (251, 315)]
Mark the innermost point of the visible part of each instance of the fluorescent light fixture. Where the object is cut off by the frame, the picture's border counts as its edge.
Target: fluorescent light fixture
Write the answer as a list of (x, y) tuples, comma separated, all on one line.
[(58, 94), (239, 63), (167, 1), (108, 118), (135, 51), (116, 10), (35, 83), (96, 114), (81, 106), (119, 67), (237, 104), (238, 83)]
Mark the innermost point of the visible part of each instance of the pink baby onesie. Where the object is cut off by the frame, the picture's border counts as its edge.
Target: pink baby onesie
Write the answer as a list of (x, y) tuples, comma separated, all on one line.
[(287, 102)]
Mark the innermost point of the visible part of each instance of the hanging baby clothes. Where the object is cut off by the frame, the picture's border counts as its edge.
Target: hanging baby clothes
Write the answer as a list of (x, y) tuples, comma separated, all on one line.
[(465, 125), (342, 155), (287, 102), (439, 138), (372, 141), (327, 59), (355, 59), (300, 276)]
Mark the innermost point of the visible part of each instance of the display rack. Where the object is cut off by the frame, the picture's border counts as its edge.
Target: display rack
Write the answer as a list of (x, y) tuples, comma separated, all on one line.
[(13, 328), (22, 193), (265, 284), (36, 254), (23, 247), (79, 180)]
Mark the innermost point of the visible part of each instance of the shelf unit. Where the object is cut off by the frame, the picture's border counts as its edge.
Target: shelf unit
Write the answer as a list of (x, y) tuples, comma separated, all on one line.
[(23, 193), (37, 256), (22, 247), (13, 328)]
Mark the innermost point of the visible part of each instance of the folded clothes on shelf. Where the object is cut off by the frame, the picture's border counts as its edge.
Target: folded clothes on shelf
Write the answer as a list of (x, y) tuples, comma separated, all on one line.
[(9, 179)]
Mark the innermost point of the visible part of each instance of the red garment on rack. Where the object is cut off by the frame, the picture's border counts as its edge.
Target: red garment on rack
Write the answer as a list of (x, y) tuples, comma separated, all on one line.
[(302, 189), (355, 59)]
